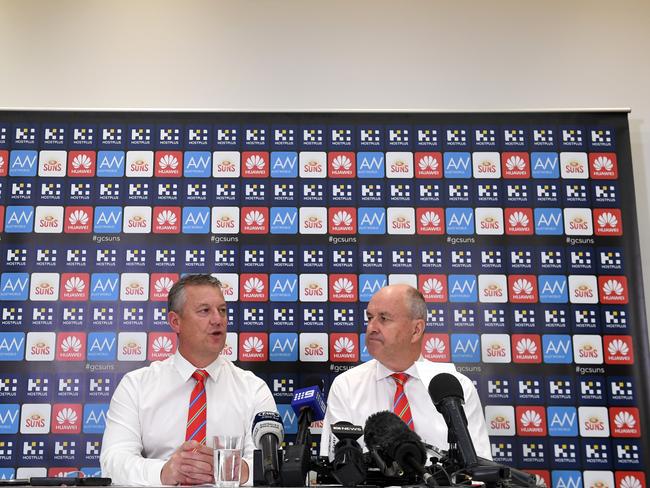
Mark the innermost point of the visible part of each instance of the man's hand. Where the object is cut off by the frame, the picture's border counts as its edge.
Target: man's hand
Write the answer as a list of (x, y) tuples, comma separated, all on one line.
[(191, 464)]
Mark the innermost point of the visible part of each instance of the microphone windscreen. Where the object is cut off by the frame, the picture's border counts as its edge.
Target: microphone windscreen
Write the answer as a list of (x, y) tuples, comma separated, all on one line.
[(381, 428), (445, 385)]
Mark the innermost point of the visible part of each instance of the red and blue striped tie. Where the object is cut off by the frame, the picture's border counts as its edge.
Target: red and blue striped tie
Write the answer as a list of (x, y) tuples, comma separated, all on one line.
[(401, 406), (197, 414)]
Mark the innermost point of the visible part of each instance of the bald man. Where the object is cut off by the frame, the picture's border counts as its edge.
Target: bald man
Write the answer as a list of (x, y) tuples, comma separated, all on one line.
[(396, 321)]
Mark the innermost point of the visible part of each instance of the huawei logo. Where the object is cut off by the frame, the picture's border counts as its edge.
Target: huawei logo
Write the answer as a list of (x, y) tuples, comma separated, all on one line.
[(344, 345), (168, 162), (75, 285), (78, 217), (254, 285), (82, 161), (343, 285), (254, 218), (434, 346), (253, 344), (166, 217), (162, 344), (71, 344), (163, 285), (67, 416), (342, 218), (255, 162), (341, 163), (531, 418)]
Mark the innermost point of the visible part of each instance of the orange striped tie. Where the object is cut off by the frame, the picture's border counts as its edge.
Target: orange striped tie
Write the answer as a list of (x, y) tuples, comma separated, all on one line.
[(401, 406), (197, 414)]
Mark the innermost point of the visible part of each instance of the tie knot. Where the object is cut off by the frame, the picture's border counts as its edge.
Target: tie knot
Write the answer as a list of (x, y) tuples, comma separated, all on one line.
[(200, 375), (400, 378)]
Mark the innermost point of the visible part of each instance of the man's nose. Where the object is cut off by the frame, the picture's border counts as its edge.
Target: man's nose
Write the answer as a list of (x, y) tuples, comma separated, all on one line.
[(216, 317), (370, 325)]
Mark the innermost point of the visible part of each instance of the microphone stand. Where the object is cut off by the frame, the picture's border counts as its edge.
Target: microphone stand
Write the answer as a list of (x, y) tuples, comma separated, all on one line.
[(295, 460)]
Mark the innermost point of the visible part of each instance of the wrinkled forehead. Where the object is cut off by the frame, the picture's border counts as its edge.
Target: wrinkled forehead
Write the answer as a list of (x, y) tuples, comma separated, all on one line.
[(386, 303), (204, 294)]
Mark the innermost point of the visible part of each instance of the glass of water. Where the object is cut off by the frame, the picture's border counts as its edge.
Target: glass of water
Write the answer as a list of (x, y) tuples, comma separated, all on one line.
[(227, 460)]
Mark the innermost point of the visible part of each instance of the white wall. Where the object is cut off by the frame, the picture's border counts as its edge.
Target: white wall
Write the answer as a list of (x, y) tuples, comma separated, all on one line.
[(259, 54)]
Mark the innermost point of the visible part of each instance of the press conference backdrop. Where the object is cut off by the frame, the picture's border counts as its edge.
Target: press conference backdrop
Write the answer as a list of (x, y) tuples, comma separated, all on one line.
[(519, 229)]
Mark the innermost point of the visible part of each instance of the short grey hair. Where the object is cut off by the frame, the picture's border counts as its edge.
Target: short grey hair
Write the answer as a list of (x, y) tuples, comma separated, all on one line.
[(416, 304), (176, 295)]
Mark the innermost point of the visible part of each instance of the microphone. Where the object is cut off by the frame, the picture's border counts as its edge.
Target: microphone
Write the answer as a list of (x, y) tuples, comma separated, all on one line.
[(348, 467), (393, 441), (268, 434), (309, 405), (447, 395)]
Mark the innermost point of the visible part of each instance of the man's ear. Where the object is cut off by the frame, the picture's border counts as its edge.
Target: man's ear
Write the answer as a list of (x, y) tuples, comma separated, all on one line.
[(418, 329), (174, 321)]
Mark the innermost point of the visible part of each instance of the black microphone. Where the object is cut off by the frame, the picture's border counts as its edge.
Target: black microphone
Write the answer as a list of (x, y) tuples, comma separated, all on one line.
[(348, 466), (386, 433), (446, 393), (268, 433)]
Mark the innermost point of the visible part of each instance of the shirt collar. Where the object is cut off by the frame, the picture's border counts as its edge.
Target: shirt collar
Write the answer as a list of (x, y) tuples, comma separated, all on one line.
[(186, 369), (384, 372)]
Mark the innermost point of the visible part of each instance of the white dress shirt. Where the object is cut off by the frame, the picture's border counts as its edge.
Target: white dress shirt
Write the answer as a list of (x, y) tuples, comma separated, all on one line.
[(147, 416), (368, 388)]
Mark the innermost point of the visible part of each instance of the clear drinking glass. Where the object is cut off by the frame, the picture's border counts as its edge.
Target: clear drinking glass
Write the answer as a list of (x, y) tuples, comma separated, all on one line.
[(227, 460)]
